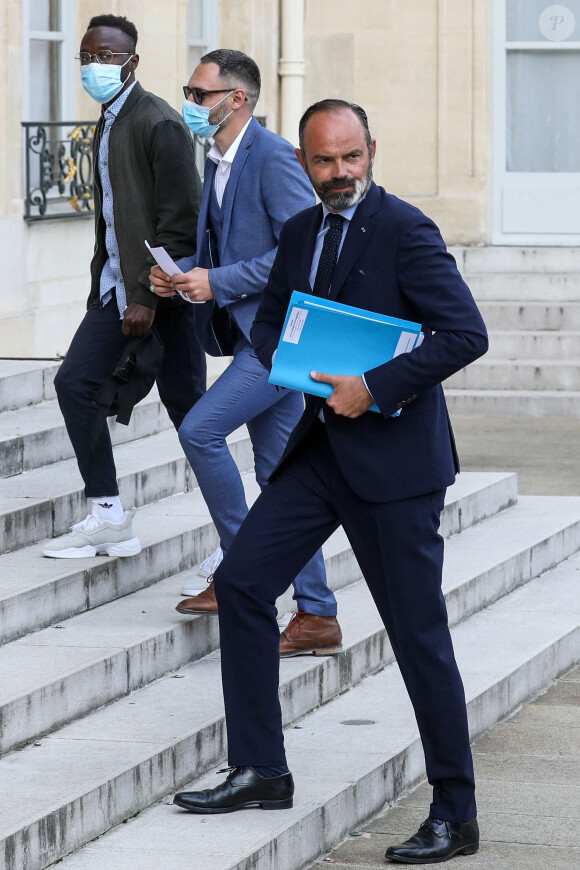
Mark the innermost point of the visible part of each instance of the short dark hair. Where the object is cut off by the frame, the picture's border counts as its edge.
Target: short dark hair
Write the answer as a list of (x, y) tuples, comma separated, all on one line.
[(237, 69), (332, 105), (119, 22)]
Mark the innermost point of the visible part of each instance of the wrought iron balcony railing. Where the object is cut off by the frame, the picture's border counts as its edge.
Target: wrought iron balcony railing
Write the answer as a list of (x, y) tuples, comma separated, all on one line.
[(59, 168)]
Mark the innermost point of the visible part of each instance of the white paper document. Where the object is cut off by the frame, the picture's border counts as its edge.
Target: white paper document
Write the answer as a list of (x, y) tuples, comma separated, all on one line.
[(168, 265)]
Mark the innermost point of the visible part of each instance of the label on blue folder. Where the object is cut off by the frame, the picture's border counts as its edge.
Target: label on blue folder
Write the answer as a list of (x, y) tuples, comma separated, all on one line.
[(320, 335)]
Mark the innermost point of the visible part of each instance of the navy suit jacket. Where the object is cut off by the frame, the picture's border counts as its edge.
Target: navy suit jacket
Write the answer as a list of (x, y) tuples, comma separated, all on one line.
[(393, 261), (266, 186)]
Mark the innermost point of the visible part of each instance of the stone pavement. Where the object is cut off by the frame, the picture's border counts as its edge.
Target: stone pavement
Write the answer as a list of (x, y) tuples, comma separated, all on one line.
[(527, 768), (545, 452), (528, 792)]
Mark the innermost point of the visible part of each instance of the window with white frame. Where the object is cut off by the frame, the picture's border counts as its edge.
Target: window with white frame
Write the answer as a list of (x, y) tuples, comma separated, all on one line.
[(201, 30), (48, 92)]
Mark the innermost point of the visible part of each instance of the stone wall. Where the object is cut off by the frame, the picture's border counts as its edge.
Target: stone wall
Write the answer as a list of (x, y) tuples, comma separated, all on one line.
[(420, 69)]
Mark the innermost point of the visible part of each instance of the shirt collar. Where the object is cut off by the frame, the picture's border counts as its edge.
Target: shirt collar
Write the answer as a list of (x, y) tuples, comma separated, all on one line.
[(216, 155), (347, 213), (118, 104)]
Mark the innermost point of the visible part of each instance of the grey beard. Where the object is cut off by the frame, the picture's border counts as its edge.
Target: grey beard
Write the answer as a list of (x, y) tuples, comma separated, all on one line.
[(340, 201)]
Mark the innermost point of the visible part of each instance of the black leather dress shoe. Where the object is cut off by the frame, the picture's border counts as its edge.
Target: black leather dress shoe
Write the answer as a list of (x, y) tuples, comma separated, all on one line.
[(437, 841), (242, 788)]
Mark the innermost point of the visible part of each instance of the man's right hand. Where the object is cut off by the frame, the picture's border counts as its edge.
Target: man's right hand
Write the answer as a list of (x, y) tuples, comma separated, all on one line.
[(162, 282)]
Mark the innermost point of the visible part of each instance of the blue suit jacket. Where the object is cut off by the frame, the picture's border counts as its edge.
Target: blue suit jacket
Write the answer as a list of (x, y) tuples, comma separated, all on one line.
[(266, 186), (393, 261)]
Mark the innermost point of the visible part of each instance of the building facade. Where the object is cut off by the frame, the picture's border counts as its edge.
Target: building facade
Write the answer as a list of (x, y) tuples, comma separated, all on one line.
[(472, 103)]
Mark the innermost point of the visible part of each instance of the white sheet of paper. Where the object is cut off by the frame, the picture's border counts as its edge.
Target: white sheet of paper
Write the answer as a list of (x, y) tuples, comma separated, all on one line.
[(168, 265)]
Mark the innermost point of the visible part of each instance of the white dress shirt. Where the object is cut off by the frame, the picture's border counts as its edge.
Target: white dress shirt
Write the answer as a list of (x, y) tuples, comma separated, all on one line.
[(224, 163)]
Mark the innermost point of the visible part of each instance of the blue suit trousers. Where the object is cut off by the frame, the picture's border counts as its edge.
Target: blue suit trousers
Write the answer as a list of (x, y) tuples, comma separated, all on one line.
[(242, 395)]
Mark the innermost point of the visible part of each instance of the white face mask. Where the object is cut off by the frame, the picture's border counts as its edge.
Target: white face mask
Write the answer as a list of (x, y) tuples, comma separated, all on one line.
[(102, 81)]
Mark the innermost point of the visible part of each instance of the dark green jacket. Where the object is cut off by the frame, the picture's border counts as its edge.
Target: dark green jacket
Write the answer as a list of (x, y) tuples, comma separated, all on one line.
[(156, 192)]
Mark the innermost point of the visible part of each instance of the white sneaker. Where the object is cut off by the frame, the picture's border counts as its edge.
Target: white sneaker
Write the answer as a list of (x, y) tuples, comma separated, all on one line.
[(95, 537), (206, 569)]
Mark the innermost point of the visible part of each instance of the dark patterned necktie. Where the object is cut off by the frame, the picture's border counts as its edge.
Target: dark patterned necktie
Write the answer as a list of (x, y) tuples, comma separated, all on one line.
[(328, 255)]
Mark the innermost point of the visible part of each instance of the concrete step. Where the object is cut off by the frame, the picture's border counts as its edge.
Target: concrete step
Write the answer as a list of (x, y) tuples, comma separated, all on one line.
[(35, 436), (534, 345), (103, 769), (53, 676), (513, 403), (522, 374), (524, 315), (509, 259), (175, 534), (25, 382), (538, 286), (46, 501), (513, 258), (28, 382)]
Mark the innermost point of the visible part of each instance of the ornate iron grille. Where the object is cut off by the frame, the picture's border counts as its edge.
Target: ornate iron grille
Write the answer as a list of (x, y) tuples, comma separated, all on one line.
[(59, 169)]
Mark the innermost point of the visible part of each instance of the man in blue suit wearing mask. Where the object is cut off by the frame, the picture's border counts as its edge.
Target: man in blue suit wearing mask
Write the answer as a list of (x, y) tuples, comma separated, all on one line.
[(253, 183)]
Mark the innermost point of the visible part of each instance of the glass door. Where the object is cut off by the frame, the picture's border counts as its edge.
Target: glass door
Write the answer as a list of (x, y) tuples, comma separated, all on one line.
[(536, 122)]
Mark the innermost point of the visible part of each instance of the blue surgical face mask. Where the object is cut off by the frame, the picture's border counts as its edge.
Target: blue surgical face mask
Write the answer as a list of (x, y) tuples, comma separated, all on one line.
[(197, 117), (102, 81)]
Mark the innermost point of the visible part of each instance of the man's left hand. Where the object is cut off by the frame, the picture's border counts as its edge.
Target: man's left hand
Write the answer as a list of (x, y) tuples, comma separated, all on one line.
[(137, 320), (194, 284), (350, 397)]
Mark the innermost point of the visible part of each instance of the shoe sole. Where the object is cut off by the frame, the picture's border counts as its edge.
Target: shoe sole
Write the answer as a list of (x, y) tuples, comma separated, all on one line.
[(316, 651), (189, 612), (209, 811), (131, 547), (464, 850)]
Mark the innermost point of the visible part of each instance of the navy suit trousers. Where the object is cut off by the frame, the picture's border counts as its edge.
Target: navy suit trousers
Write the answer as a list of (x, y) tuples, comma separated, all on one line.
[(94, 350), (400, 552)]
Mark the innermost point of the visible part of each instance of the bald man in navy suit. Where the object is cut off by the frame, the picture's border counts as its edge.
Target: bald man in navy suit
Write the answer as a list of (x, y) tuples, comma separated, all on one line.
[(382, 477)]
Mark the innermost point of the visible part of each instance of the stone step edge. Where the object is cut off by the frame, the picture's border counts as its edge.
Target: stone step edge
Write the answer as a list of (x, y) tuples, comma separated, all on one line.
[(322, 827), (25, 385), (34, 448), (524, 363), (495, 702), (96, 581), (43, 518), (103, 681), (36, 380)]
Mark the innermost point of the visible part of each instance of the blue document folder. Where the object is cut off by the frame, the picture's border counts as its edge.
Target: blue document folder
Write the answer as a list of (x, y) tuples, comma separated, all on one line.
[(324, 336)]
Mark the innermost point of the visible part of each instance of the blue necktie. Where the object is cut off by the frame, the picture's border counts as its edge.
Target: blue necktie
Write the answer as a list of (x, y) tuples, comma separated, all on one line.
[(328, 256)]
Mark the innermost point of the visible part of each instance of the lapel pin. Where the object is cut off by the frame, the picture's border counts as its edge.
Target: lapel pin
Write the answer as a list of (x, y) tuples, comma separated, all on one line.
[(363, 229)]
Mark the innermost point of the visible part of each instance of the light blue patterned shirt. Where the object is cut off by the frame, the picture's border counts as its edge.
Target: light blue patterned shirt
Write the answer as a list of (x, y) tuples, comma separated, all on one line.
[(111, 276)]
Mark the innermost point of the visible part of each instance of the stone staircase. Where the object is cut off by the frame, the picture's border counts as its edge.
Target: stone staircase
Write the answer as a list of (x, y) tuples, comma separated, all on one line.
[(530, 301), (110, 700)]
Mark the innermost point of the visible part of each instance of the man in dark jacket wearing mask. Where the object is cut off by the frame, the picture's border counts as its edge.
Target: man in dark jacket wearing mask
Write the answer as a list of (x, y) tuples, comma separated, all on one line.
[(146, 187)]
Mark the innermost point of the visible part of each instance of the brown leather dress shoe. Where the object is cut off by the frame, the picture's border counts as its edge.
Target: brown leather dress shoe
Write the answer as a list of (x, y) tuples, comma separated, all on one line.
[(205, 602), (307, 634)]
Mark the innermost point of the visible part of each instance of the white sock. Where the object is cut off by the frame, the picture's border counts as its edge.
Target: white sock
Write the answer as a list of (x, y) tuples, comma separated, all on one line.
[(109, 507)]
